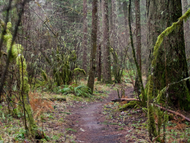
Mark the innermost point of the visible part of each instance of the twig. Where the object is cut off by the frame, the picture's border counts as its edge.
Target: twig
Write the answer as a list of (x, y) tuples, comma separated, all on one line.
[(158, 137)]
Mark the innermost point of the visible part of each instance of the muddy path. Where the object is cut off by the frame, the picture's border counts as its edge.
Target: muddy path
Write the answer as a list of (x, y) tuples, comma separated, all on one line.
[(88, 121)]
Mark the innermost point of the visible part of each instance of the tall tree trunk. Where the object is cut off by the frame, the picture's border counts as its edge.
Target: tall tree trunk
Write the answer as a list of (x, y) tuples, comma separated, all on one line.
[(99, 55), (84, 43), (113, 28), (171, 65), (110, 17), (138, 41), (107, 59), (186, 27), (94, 45), (125, 7), (99, 63)]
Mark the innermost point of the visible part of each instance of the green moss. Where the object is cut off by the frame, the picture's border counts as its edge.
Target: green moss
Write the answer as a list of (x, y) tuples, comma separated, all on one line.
[(16, 50), (44, 75), (80, 70), (9, 25), (21, 63), (159, 116), (151, 122), (131, 104), (16, 54), (160, 95), (73, 56), (166, 32), (2, 23), (7, 37)]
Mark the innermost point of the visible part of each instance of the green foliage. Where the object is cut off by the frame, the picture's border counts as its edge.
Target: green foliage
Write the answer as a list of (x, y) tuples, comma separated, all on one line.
[(21, 134), (44, 75), (117, 70), (79, 70), (153, 132), (16, 54), (160, 95), (151, 122), (70, 129), (131, 104), (63, 67), (81, 90)]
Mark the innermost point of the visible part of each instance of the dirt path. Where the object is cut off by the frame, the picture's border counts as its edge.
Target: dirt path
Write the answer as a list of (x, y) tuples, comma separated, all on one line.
[(88, 123)]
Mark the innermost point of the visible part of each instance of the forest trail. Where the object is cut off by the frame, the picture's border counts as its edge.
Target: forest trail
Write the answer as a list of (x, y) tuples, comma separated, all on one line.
[(88, 122)]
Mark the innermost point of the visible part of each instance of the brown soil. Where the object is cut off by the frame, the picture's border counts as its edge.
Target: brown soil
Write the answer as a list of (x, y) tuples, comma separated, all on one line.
[(88, 122)]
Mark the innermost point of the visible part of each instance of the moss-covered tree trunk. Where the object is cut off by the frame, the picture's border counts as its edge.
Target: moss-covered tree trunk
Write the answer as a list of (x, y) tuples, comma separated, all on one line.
[(94, 45), (171, 65), (16, 54)]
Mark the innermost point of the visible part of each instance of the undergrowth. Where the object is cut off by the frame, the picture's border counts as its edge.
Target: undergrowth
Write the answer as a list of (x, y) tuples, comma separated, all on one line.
[(134, 121), (50, 107)]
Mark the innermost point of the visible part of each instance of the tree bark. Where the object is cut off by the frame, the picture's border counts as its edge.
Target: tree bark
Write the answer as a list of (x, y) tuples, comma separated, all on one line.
[(99, 52), (186, 27), (138, 43), (134, 56), (84, 43), (94, 45), (110, 17), (138, 31), (107, 59), (171, 65), (99, 63), (114, 27), (125, 7)]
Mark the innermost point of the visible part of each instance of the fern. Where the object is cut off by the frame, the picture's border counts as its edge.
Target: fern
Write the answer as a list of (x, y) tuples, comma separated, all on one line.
[(82, 91)]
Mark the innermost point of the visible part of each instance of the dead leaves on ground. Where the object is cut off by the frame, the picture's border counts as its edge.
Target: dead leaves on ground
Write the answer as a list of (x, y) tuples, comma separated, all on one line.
[(39, 105)]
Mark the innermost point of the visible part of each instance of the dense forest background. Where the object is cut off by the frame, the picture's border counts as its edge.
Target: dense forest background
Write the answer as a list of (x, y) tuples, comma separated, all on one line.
[(51, 45)]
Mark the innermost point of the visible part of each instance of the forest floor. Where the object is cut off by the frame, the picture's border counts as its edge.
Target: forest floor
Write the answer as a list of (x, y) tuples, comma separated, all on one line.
[(97, 122), (91, 120)]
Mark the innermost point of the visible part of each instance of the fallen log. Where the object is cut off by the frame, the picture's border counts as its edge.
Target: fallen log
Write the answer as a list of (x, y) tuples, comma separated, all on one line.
[(124, 99), (162, 108), (55, 99), (174, 112)]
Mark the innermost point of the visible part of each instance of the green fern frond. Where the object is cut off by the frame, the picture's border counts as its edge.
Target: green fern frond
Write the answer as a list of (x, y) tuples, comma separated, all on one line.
[(44, 75)]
